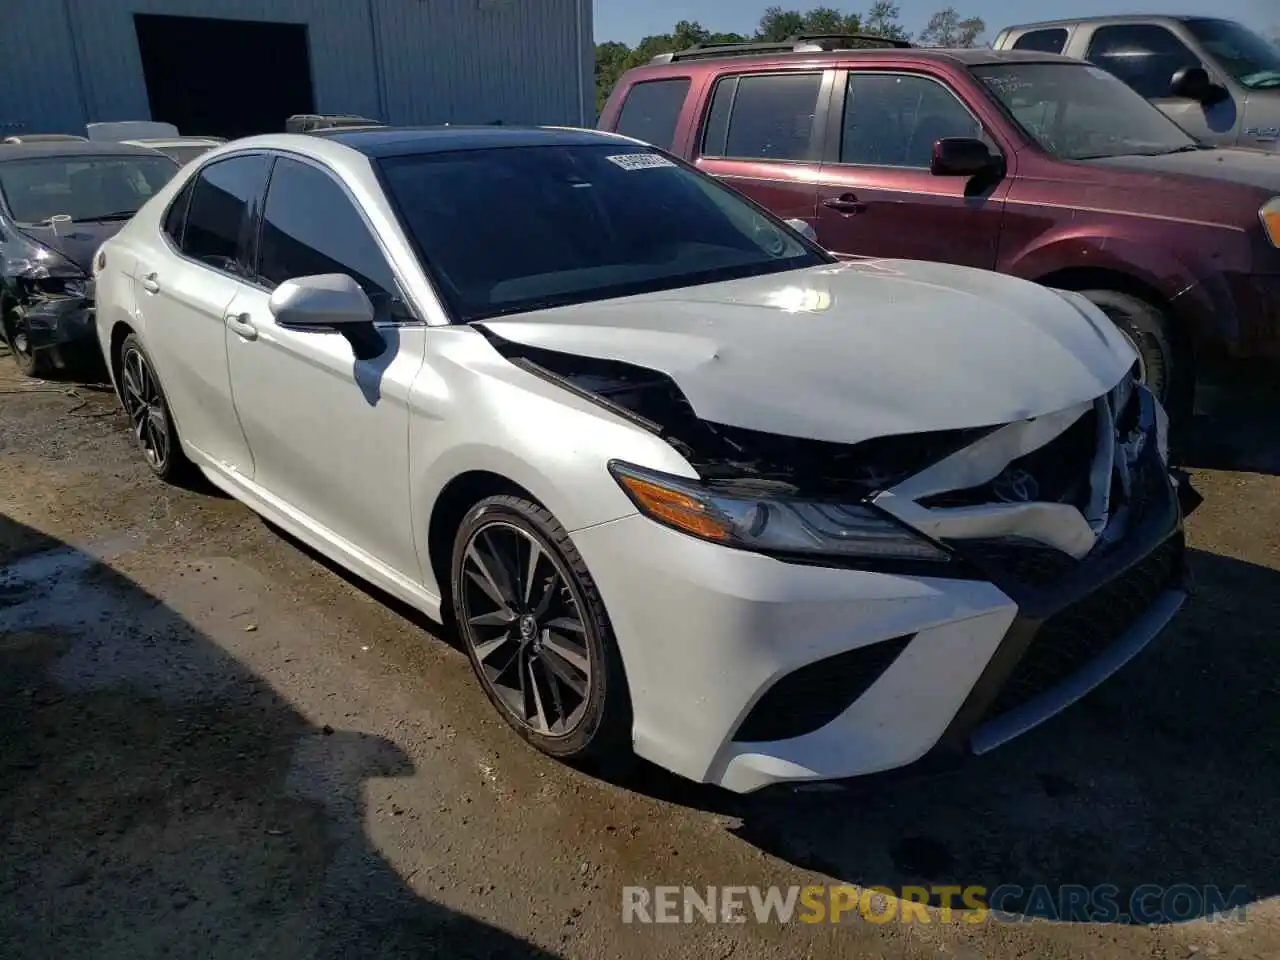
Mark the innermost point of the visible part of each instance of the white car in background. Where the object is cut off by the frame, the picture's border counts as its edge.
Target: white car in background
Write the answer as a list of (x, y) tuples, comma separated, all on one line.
[(687, 484)]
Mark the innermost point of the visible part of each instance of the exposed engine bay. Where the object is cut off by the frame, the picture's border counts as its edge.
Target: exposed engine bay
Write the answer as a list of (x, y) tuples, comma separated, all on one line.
[(1066, 480)]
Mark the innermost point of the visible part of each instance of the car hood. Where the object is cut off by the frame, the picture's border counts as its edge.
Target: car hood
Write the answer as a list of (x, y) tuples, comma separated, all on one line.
[(1250, 168), (76, 241), (847, 352)]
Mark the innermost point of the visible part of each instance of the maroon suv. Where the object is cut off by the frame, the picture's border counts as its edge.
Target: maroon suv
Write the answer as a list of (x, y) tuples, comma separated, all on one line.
[(1030, 164)]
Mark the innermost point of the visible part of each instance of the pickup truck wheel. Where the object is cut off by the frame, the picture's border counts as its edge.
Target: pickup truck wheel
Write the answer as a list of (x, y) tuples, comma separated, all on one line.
[(1161, 363)]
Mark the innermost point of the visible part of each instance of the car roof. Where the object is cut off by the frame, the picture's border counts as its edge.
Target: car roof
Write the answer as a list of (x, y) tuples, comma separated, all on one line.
[(1118, 18), (401, 141), (70, 148), (966, 57), (174, 142)]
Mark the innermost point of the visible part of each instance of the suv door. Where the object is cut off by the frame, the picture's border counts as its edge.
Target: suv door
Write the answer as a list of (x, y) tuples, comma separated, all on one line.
[(329, 432), (763, 136), (1146, 56), (877, 196), (183, 289)]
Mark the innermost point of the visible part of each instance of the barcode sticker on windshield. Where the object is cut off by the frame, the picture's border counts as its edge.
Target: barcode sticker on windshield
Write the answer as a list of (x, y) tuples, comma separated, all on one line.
[(640, 161)]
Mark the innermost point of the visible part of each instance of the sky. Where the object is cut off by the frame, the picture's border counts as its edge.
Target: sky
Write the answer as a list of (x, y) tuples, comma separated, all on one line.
[(629, 20)]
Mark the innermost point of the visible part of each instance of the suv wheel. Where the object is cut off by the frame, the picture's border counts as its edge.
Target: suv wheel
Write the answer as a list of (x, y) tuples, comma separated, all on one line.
[(1164, 368)]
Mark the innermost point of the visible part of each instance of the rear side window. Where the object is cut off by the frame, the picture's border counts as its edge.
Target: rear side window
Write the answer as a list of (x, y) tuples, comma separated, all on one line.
[(893, 120), (1043, 41), (177, 214), (311, 226), (763, 117), (1143, 55), (217, 215), (652, 111)]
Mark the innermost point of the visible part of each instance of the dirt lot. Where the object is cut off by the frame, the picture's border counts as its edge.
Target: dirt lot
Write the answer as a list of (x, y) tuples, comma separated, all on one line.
[(216, 745)]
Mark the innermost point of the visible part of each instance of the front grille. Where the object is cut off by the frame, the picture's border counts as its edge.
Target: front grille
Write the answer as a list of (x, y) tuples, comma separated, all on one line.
[(1059, 470), (1079, 633), (809, 698), (1030, 564)]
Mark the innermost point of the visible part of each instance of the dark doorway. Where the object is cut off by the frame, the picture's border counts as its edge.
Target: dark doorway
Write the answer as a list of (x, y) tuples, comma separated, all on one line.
[(226, 78)]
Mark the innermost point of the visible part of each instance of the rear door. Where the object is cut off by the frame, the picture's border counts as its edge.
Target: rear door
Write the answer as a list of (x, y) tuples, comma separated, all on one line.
[(184, 286), (877, 197), (763, 134)]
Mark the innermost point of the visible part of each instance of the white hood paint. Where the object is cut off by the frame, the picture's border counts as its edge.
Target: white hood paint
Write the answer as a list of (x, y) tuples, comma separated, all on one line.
[(852, 351)]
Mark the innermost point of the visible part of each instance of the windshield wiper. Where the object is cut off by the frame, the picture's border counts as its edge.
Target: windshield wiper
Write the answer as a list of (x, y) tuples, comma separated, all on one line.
[(117, 215)]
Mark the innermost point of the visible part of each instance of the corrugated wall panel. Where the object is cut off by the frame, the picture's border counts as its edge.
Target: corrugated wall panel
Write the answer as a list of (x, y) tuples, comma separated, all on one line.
[(339, 35), (473, 61), (403, 61), (39, 90)]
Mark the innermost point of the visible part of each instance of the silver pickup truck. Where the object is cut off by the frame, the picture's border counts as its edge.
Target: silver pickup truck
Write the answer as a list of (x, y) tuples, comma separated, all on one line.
[(1217, 79)]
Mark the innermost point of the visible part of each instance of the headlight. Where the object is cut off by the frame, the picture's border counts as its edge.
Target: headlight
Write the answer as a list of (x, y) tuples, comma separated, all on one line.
[(774, 524), (34, 261), (1270, 217)]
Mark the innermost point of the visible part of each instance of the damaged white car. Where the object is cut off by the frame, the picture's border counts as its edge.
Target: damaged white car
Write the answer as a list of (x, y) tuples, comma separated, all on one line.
[(686, 484)]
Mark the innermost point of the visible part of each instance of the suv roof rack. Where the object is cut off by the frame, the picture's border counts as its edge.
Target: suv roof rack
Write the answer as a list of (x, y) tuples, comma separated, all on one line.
[(800, 43)]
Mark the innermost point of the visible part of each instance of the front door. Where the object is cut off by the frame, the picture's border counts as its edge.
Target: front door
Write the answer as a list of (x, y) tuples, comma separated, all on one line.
[(877, 197), (329, 432), (183, 293)]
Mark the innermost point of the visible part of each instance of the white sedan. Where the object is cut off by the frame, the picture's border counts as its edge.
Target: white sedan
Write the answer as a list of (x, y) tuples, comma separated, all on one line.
[(687, 485)]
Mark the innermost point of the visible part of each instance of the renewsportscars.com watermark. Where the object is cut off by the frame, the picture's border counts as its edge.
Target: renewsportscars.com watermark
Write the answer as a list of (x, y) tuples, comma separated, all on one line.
[(1010, 903)]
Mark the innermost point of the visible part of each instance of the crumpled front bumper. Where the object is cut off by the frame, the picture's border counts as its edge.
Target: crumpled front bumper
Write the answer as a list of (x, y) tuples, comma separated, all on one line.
[(55, 321)]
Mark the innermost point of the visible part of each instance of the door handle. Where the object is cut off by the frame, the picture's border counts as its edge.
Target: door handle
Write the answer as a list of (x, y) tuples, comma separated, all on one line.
[(846, 203), (241, 325), (150, 283)]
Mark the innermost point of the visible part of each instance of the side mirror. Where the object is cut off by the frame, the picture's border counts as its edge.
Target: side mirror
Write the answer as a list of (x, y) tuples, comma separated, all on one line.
[(804, 228), (1193, 83), (329, 301), (326, 301), (961, 157)]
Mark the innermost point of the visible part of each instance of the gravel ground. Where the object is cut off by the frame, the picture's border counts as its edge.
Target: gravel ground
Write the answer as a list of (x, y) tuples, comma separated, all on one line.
[(217, 745)]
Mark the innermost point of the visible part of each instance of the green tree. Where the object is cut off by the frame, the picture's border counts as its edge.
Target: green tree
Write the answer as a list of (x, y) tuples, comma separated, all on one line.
[(882, 20), (947, 28)]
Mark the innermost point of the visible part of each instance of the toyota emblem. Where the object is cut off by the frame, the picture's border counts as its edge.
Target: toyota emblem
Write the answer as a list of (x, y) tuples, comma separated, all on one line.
[(1016, 486)]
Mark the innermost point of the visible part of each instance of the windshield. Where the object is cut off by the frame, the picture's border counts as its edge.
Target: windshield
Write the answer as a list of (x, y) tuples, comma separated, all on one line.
[(522, 228), (1248, 58), (1080, 112), (82, 188)]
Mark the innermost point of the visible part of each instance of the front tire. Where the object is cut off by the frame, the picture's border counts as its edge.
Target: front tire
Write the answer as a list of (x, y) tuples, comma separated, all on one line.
[(149, 418), (1163, 364), (536, 631), (30, 363)]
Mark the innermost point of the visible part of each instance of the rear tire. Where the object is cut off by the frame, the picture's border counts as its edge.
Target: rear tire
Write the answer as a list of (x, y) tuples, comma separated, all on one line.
[(536, 631), (1163, 362), (149, 418)]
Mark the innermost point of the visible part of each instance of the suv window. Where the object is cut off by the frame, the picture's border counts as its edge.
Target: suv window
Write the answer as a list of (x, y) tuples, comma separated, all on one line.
[(652, 110), (1053, 40), (763, 117), (1143, 55), (891, 120), (310, 226), (216, 216)]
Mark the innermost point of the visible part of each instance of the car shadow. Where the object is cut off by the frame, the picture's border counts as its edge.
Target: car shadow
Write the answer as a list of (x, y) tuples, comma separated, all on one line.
[(159, 799), (1236, 428), (1165, 775)]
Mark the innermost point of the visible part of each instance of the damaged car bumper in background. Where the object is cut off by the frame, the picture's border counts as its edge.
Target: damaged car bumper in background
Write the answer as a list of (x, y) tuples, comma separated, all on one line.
[(54, 319), (1022, 568)]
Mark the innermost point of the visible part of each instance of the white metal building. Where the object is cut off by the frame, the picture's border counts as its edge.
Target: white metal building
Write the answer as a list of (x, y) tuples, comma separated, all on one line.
[(233, 67)]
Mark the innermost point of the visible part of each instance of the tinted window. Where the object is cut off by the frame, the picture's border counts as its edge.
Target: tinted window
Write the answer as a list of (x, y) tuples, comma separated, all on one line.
[(1043, 41), (893, 121), (1142, 55), (524, 228), (1245, 55), (766, 117), (1079, 112), (311, 226), (652, 110), (82, 188), (216, 216)]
